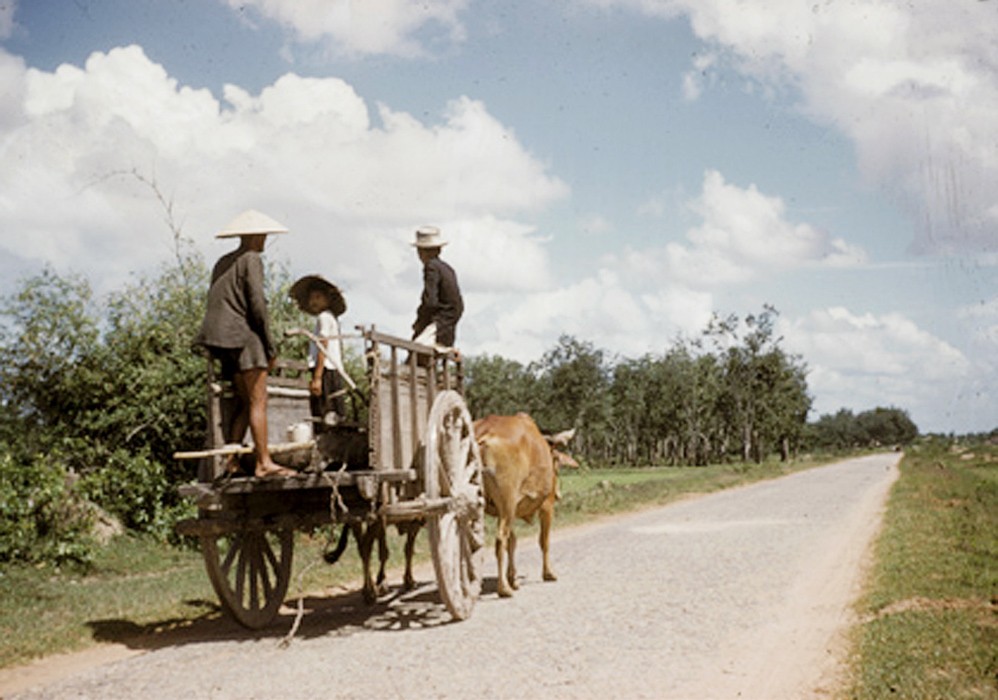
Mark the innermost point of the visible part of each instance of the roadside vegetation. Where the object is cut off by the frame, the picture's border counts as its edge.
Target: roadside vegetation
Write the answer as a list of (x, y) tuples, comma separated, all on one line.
[(930, 615)]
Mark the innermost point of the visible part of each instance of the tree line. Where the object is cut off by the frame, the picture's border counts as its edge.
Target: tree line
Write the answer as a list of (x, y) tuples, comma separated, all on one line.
[(732, 394), (96, 395)]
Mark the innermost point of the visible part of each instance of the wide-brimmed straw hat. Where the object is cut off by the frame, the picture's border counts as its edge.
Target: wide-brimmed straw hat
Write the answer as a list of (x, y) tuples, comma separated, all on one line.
[(428, 237), (304, 286), (251, 223)]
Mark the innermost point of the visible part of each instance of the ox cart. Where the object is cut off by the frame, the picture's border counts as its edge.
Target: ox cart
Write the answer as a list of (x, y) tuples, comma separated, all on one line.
[(408, 454)]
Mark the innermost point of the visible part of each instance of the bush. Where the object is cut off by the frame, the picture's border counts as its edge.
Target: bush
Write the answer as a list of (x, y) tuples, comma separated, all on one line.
[(133, 488), (44, 519)]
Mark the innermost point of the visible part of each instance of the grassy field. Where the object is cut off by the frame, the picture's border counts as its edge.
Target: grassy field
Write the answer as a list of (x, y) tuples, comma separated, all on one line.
[(930, 625), (143, 589)]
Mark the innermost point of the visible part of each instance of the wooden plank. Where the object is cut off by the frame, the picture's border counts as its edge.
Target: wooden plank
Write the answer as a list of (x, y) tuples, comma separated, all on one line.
[(303, 480), (225, 450), (413, 405), (396, 425)]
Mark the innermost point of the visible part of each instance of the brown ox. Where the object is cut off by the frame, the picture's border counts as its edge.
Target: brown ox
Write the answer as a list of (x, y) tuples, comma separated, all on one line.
[(351, 449), (520, 468), (367, 535)]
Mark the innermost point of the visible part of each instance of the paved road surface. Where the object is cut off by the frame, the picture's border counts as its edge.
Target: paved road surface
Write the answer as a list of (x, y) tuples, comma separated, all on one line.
[(740, 594)]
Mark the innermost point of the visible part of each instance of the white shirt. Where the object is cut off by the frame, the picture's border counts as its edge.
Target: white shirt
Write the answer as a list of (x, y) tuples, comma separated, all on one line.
[(327, 326)]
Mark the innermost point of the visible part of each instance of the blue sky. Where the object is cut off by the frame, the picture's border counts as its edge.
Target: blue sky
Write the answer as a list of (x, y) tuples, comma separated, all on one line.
[(617, 170)]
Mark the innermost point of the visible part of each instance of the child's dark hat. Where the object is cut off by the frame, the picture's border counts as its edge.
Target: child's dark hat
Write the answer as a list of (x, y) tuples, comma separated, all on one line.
[(304, 286)]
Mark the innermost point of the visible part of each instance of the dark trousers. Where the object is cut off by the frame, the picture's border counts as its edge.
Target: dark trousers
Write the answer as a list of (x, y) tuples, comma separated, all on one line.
[(327, 402)]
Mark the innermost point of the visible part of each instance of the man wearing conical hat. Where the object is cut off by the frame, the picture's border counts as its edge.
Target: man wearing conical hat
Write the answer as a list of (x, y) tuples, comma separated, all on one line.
[(441, 305), (236, 331)]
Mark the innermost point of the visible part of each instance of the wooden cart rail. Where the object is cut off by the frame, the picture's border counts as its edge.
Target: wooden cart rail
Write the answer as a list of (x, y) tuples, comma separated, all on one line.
[(402, 392)]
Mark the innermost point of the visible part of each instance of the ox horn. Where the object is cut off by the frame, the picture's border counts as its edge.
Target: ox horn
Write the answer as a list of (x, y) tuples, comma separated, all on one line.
[(561, 438)]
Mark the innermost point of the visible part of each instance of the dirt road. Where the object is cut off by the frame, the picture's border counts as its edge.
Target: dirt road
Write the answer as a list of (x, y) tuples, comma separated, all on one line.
[(741, 594)]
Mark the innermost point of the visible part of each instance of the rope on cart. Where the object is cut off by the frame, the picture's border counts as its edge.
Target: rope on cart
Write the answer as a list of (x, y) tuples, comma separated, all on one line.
[(336, 501)]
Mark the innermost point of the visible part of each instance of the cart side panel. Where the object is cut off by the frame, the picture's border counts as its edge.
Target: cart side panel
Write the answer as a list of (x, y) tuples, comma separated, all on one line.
[(400, 405), (287, 405)]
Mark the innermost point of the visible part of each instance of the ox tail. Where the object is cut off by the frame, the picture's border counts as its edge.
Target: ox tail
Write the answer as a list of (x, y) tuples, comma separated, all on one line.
[(333, 555)]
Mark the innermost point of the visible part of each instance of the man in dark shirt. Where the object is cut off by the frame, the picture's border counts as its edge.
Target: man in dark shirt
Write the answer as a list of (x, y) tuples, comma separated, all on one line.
[(441, 305), (236, 331)]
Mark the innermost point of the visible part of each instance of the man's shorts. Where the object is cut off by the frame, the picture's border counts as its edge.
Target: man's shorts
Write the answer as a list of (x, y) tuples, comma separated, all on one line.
[(234, 360)]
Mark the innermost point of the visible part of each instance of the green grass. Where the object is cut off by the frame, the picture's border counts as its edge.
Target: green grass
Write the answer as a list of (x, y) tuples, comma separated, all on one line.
[(140, 588), (930, 626), (587, 494), (137, 588)]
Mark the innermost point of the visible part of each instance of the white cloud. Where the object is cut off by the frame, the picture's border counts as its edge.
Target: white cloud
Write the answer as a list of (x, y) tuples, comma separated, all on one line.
[(368, 27), (601, 308), (984, 310), (742, 234), (304, 150), (694, 80), (858, 360), (497, 256), (595, 224), (914, 85), (981, 330)]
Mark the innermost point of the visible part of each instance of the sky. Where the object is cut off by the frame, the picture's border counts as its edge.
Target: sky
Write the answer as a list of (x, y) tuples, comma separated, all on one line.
[(614, 170)]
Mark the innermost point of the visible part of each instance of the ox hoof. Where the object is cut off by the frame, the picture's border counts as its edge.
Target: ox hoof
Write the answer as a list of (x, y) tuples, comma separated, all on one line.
[(505, 592), (549, 576)]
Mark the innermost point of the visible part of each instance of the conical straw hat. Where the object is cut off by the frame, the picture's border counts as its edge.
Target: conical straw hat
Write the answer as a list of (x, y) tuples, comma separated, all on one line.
[(249, 223)]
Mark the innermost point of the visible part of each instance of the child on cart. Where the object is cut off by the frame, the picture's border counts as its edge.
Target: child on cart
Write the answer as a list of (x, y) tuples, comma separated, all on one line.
[(320, 298)]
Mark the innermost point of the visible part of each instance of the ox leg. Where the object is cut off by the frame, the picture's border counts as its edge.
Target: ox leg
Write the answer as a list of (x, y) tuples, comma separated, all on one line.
[(511, 566), (411, 529), (546, 516), (503, 533), (380, 587), (365, 543)]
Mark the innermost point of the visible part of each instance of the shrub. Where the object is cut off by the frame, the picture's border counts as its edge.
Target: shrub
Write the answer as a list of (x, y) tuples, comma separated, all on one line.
[(43, 518), (130, 487)]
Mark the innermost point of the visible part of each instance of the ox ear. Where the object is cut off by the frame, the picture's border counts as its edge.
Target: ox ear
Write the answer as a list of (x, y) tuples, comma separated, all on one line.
[(562, 459), (561, 438)]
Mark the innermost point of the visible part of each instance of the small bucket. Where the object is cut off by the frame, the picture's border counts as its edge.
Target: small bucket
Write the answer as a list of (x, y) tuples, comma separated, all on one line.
[(300, 432)]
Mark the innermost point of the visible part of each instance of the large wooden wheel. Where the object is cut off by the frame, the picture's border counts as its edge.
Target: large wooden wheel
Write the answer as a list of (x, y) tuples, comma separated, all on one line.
[(250, 571), (452, 469)]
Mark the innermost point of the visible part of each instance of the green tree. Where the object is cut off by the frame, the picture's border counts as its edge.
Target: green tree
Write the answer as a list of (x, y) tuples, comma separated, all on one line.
[(629, 399), (764, 399), (886, 426), (51, 326), (573, 378), (147, 393), (496, 385)]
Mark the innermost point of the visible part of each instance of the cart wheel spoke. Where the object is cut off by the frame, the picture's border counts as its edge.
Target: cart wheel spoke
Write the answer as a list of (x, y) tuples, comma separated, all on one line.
[(268, 552), (452, 469), (254, 573), (250, 572), (234, 550)]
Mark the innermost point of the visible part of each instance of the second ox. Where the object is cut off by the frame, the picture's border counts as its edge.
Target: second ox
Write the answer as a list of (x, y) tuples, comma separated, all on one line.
[(520, 469)]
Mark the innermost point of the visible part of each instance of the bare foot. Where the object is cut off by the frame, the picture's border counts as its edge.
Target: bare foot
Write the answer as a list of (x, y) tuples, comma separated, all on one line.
[(272, 471)]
